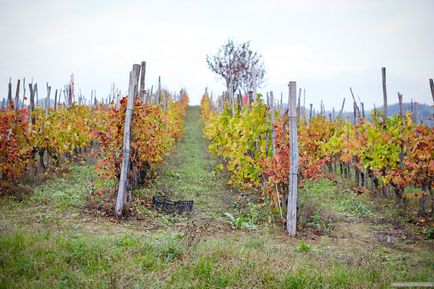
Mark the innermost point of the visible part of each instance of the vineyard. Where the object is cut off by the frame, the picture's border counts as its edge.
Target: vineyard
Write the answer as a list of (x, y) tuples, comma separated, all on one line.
[(42, 140), (142, 190), (79, 183), (391, 158)]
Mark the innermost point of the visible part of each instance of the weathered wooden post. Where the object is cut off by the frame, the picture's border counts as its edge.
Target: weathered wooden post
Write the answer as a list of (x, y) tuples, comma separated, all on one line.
[(355, 107), (431, 85), (24, 90), (273, 130), (401, 154), (416, 113), (341, 115), (95, 101), (310, 111), (71, 91), (55, 100), (354, 114), (9, 93), (32, 102), (231, 95), (291, 216), (299, 105), (36, 94), (17, 96), (47, 100), (159, 91), (142, 81), (400, 105), (123, 180), (383, 76), (304, 105), (320, 108), (267, 136), (254, 86)]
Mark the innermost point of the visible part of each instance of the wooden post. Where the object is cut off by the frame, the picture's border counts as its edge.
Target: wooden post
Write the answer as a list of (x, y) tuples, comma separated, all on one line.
[(9, 103), (36, 94), (142, 81), (291, 223), (299, 105), (122, 191), (117, 104), (416, 115), (400, 105), (320, 108), (273, 130), (342, 111), (354, 113), (17, 96), (159, 90), (310, 113), (71, 91), (32, 102), (431, 85), (230, 95), (24, 90), (95, 101), (383, 76), (47, 100), (254, 88), (266, 124), (401, 153), (304, 104), (55, 100), (355, 106)]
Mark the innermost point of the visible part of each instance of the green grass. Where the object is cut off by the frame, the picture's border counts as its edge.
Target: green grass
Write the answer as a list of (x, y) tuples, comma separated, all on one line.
[(44, 260), (188, 173), (325, 194), (68, 191), (163, 260)]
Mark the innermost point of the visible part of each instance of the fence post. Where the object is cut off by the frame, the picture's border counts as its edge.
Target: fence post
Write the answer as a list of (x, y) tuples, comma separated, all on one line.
[(431, 85), (17, 96), (142, 81), (9, 93), (291, 223), (47, 100), (383, 76), (122, 191)]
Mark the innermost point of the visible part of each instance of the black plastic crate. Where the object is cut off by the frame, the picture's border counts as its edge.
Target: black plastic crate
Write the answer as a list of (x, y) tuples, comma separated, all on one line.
[(165, 204), (184, 206), (159, 202)]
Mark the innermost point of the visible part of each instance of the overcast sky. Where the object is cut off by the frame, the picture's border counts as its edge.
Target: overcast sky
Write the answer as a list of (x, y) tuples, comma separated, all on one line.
[(326, 46)]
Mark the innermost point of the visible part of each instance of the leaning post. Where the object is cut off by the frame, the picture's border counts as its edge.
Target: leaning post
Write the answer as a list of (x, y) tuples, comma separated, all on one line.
[(122, 191)]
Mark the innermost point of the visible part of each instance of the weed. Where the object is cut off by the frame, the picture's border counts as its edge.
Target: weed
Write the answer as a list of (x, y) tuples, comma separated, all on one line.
[(429, 232), (320, 222), (303, 247), (239, 222)]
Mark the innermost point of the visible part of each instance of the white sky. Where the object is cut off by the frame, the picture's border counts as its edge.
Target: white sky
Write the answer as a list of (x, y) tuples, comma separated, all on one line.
[(326, 46)]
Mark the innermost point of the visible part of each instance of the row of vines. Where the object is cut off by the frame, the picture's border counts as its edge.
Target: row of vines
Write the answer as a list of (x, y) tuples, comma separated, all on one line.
[(388, 157), (34, 140)]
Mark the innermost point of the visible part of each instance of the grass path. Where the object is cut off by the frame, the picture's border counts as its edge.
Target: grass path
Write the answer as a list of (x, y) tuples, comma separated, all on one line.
[(188, 173)]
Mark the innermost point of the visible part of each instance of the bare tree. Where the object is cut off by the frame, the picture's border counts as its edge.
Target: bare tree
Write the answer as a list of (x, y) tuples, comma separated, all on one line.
[(234, 62)]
